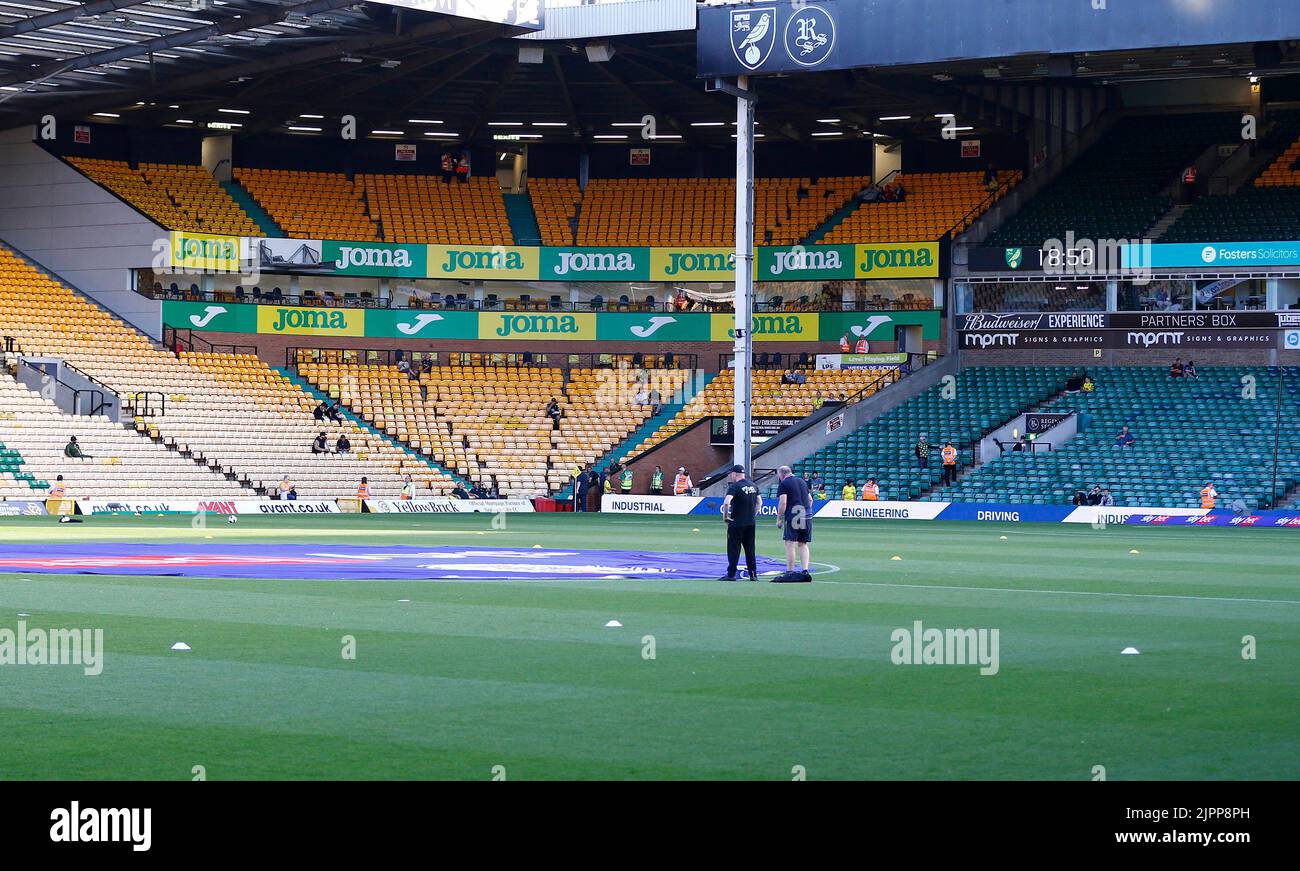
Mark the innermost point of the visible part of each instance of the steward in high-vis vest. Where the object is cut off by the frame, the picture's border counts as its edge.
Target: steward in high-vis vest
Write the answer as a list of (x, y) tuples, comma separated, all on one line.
[(58, 489), (861, 347), (408, 489), (949, 463), (870, 490), (1208, 495), (363, 489), (657, 482), (682, 482), (844, 344), (625, 480)]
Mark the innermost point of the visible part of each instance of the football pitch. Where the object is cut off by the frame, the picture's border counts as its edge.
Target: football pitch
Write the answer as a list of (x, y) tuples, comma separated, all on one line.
[(522, 679)]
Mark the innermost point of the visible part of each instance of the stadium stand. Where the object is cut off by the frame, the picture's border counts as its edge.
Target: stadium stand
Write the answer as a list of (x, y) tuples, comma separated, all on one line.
[(34, 432), (312, 205), (771, 398), (1266, 209), (981, 400), (1188, 432), (696, 211), (422, 208), (556, 202), (936, 204), (229, 410), (1117, 188), (177, 196), (489, 423)]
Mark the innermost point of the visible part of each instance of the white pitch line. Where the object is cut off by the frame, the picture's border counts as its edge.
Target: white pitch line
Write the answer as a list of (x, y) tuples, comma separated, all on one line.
[(1070, 593)]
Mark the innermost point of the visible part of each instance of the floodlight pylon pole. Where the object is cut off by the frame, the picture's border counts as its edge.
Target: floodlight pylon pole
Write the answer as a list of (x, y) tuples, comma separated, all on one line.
[(744, 296)]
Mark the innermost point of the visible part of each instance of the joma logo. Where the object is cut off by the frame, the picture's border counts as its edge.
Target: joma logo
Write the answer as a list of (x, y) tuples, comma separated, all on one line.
[(804, 259), (208, 249), (582, 261), (457, 260), (774, 325), (298, 319), (523, 324), (699, 262), (895, 258), (388, 258)]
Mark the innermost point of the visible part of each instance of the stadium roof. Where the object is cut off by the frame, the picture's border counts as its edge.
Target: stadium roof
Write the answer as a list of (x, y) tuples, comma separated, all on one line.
[(265, 64)]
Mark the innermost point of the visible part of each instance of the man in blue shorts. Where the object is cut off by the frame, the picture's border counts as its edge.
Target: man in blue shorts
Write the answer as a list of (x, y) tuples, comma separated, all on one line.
[(794, 516)]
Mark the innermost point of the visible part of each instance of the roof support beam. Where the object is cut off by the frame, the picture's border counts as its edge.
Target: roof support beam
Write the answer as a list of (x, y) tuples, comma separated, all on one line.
[(63, 16), (173, 40)]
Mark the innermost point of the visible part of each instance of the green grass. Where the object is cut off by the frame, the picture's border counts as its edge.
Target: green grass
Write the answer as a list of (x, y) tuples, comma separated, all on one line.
[(749, 680)]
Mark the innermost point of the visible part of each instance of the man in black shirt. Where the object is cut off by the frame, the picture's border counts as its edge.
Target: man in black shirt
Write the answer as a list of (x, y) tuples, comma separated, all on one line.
[(794, 516), (740, 509)]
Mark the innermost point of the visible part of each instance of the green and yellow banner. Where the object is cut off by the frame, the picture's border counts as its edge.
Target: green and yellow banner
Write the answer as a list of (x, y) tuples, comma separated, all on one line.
[(431, 326), (483, 261), (310, 321), (204, 252)]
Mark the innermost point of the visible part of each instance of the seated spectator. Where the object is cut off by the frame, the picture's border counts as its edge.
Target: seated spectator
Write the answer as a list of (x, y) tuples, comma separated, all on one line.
[(1177, 370), (286, 489), (1094, 495), (73, 451), (459, 492), (787, 377), (554, 413), (800, 378), (319, 445), (1074, 384), (870, 194), (321, 411), (1088, 385), (343, 445), (1125, 438), (334, 412), (1189, 371), (990, 178), (642, 398), (656, 400), (1107, 499), (404, 366), (1079, 498)]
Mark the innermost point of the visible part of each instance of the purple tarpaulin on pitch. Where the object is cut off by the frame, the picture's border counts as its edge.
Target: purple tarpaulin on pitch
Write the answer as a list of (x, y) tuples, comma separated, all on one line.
[(356, 562)]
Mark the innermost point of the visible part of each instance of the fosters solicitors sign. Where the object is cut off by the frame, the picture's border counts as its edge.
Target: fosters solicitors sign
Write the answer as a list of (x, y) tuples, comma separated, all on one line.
[(198, 252), (538, 326)]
